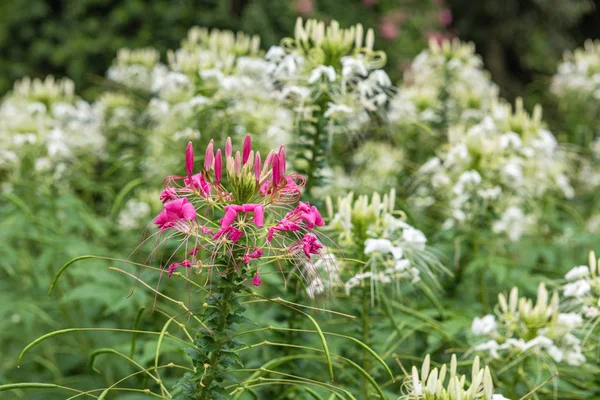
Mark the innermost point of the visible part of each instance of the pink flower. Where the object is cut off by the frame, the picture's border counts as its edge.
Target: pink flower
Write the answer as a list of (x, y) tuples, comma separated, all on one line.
[(304, 7), (174, 211), (256, 280), (256, 254), (369, 3), (445, 17), (174, 266), (234, 234), (283, 226), (388, 30), (205, 230), (198, 181), (291, 222), (194, 251), (310, 245), (168, 194)]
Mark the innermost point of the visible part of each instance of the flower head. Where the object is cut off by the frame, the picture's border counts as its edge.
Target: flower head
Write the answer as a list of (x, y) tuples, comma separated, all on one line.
[(248, 209)]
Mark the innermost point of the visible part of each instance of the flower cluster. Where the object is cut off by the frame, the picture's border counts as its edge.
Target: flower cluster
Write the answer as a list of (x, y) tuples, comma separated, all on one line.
[(523, 328), (431, 384), (239, 211), (446, 85), (582, 288), (330, 71), (45, 127), (371, 230), (578, 76), (495, 173), (212, 84)]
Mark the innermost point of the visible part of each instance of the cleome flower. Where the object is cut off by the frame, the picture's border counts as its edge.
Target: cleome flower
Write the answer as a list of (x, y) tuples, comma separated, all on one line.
[(495, 173), (582, 289), (370, 230), (47, 133), (445, 85), (239, 210), (526, 329), (431, 384)]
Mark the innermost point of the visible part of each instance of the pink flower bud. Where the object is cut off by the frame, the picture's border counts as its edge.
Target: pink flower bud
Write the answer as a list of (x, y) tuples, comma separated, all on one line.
[(228, 148), (268, 162), (218, 167), (189, 159), (257, 166), (246, 149), (276, 172), (282, 162), (209, 158), (237, 164)]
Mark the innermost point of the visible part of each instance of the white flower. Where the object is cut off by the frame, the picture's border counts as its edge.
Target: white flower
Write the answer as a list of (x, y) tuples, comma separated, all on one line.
[(577, 273), (576, 289), (591, 312), (322, 71), (414, 237), (483, 326), (569, 321), (383, 246)]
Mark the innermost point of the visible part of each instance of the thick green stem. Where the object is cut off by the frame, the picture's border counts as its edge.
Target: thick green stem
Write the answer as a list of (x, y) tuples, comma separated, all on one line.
[(218, 334)]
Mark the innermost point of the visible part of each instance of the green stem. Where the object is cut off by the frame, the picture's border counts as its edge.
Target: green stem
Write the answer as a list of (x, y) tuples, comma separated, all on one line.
[(366, 361)]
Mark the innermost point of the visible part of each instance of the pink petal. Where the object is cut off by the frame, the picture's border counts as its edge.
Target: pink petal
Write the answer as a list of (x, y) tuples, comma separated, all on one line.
[(228, 148), (218, 167), (209, 157), (256, 280), (246, 149), (189, 159), (188, 212)]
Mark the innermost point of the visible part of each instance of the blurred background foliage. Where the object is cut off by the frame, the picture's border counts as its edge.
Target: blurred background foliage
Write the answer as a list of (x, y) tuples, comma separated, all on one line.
[(520, 40)]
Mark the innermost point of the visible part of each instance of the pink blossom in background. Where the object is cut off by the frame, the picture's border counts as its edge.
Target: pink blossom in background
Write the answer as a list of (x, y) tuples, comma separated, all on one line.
[(304, 7), (445, 17), (369, 3), (388, 30)]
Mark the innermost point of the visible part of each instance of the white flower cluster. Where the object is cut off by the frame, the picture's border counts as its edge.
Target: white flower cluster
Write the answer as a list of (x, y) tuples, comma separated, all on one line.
[(446, 85), (329, 71), (582, 288), (537, 330), (213, 86), (46, 128), (430, 384), (495, 172), (370, 230), (578, 76)]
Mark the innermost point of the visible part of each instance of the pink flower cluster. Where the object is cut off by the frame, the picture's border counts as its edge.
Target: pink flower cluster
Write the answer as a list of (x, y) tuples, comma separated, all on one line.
[(250, 195)]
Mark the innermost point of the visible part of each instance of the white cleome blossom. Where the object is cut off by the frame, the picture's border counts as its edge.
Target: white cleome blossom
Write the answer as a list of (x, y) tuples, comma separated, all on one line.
[(489, 176), (526, 329), (445, 383)]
